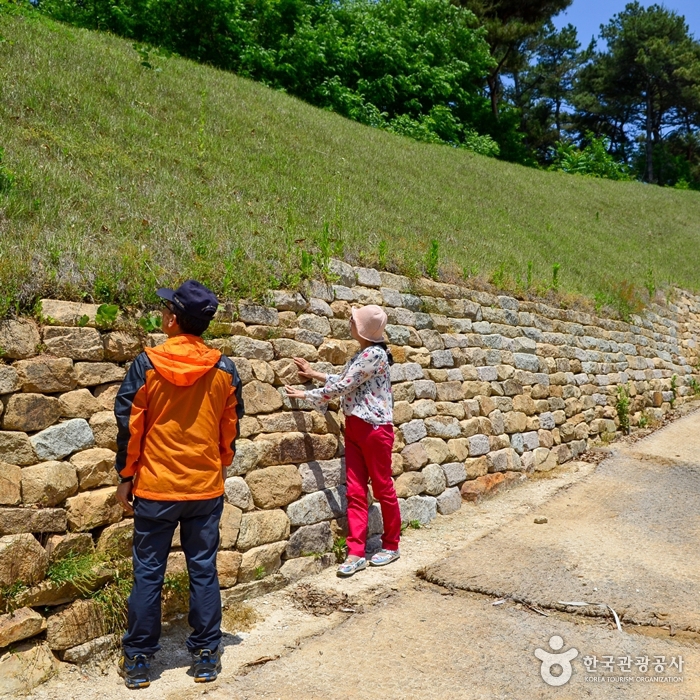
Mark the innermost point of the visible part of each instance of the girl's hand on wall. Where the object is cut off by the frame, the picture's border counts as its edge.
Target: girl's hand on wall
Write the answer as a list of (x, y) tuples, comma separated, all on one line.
[(305, 371), (293, 393)]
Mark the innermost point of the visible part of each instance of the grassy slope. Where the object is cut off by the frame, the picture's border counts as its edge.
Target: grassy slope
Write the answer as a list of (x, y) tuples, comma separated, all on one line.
[(127, 177)]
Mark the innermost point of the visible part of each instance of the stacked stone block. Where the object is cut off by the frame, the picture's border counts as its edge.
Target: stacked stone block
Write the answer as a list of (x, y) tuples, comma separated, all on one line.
[(487, 389)]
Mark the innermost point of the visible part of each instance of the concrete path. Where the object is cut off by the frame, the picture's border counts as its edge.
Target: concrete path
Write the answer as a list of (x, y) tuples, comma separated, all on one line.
[(623, 534)]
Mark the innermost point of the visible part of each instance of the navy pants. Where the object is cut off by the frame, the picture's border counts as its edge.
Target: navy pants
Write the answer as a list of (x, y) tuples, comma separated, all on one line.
[(154, 525)]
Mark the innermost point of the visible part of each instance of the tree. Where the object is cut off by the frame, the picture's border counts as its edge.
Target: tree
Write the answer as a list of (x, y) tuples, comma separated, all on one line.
[(508, 24), (641, 82), (542, 85)]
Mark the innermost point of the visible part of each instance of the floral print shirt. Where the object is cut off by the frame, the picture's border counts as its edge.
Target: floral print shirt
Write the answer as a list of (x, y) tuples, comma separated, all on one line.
[(364, 385)]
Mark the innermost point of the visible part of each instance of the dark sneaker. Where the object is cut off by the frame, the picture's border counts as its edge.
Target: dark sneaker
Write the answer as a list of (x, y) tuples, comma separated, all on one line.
[(206, 665), (134, 670)]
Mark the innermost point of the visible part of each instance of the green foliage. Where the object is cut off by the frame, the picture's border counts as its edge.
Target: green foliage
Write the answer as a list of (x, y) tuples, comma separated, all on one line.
[(382, 254), (260, 573), (83, 321), (113, 597), (643, 420), (530, 266), (623, 297), (650, 284), (151, 322), (340, 549), (622, 406), (307, 265), (555, 275), (432, 259), (79, 569), (694, 385), (413, 67), (106, 315), (593, 159), (674, 388), (414, 524)]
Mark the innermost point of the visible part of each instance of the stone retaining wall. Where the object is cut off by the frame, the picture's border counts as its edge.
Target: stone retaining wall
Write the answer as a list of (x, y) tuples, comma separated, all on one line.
[(487, 388)]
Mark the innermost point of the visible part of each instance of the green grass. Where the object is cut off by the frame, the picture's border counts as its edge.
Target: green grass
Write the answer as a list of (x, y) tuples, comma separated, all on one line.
[(126, 178)]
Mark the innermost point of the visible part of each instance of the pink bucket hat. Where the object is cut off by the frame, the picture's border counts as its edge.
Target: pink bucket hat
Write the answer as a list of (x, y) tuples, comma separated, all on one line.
[(370, 322)]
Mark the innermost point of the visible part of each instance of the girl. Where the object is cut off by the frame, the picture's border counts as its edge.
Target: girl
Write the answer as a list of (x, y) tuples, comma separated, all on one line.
[(365, 388)]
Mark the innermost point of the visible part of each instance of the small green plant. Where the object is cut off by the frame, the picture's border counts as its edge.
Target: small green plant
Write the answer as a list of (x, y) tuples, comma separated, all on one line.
[(106, 315), (340, 549), (9, 596), (325, 250), (674, 388), (528, 283), (176, 594), (151, 323), (307, 265), (260, 573), (649, 283), (414, 524), (643, 420), (498, 276), (79, 569), (622, 406), (555, 276), (112, 598), (83, 321), (432, 259), (694, 385), (382, 253)]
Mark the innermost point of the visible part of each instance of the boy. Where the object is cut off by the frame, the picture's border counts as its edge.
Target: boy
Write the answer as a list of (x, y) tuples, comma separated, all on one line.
[(178, 413)]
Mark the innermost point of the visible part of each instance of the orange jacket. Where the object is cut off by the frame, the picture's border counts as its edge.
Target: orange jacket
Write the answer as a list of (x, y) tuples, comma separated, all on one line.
[(178, 413)]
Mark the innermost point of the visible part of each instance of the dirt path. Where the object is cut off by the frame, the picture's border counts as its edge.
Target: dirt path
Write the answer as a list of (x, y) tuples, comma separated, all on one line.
[(408, 638)]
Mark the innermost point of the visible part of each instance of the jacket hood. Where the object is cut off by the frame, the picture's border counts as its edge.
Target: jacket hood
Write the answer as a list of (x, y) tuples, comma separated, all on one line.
[(183, 360)]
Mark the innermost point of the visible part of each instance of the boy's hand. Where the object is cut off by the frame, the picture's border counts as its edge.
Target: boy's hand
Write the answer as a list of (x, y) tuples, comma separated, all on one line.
[(124, 496)]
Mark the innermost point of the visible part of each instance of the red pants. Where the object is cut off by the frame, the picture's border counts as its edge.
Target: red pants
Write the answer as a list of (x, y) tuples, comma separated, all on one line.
[(368, 456)]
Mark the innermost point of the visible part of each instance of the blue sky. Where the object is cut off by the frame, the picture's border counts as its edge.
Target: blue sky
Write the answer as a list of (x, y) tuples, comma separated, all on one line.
[(588, 15)]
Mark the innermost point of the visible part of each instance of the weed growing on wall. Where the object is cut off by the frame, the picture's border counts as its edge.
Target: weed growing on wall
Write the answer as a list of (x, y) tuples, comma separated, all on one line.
[(432, 259), (622, 406)]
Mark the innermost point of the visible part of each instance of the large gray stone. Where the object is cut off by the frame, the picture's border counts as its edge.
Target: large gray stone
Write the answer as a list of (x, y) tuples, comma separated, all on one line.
[(479, 445), (252, 349), (527, 362), (258, 315), (325, 474), (318, 506), (63, 439), (420, 508), (455, 473), (368, 277), (450, 501), (413, 431), (237, 493), (435, 480), (9, 379), (310, 539)]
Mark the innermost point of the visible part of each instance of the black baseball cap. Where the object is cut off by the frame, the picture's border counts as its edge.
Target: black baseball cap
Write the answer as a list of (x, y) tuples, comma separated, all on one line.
[(193, 299)]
